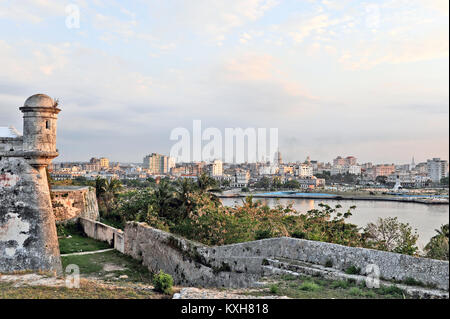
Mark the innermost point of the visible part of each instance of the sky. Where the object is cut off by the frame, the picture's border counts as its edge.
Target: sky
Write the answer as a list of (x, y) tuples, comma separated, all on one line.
[(362, 78)]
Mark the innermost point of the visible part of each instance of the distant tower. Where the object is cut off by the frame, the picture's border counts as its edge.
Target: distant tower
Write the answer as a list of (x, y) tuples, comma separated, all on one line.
[(413, 164), (278, 158)]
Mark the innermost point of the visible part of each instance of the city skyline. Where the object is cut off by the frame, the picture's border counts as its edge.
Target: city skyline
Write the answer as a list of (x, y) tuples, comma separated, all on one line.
[(369, 79)]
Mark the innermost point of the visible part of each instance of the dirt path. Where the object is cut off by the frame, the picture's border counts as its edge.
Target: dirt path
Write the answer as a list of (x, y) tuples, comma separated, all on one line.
[(88, 252)]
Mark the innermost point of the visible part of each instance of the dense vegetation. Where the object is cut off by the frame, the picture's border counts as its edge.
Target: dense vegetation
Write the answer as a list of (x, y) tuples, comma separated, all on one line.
[(189, 208)]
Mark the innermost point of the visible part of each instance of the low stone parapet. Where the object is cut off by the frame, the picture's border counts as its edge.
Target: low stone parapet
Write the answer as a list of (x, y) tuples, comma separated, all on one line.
[(240, 265)]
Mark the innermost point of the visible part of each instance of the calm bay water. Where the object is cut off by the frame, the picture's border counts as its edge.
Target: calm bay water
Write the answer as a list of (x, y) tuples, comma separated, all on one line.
[(424, 218)]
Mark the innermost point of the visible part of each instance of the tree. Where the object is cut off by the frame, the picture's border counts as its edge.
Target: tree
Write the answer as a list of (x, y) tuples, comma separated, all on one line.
[(163, 199), (381, 179), (185, 187), (205, 182), (263, 183), (292, 184), (106, 191), (391, 235), (276, 183), (438, 248)]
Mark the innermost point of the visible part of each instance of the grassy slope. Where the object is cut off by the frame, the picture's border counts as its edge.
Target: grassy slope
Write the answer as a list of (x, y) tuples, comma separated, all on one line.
[(313, 288), (88, 290), (93, 266), (78, 243)]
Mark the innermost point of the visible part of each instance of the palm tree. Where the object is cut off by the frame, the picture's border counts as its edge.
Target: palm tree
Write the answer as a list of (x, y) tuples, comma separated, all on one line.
[(205, 183), (100, 186), (443, 231), (107, 190), (185, 187), (163, 198)]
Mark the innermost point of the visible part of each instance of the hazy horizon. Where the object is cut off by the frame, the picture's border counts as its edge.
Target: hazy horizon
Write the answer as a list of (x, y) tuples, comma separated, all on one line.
[(368, 79)]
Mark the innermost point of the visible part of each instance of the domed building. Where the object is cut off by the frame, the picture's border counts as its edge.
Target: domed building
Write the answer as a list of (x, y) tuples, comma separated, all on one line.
[(40, 100)]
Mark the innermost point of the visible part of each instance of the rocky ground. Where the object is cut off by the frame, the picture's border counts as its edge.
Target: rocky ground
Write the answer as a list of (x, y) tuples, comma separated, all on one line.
[(200, 293)]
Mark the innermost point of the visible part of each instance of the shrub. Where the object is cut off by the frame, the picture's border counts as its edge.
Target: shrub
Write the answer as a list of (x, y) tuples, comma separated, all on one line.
[(298, 234), (437, 248), (274, 289), (412, 282), (355, 291), (391, 235), (390, 290), (329, 263), (309, 286), (340, 284), (263, 234), (163, 282), (352, 270)]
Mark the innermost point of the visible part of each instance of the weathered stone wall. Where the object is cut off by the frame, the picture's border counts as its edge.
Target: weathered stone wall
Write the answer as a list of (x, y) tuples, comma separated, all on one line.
[(28, 239), (8, 144), (239, 265), (113, 236), (179, 257), (74, 202)]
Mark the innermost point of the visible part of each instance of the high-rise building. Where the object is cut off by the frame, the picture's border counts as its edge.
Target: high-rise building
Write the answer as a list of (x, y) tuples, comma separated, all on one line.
[(104, 162), (156, 163), (437, 169), (217, 168)]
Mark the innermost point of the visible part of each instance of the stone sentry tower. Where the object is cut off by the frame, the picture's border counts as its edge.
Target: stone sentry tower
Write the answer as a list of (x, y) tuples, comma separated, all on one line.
[(28, 239)]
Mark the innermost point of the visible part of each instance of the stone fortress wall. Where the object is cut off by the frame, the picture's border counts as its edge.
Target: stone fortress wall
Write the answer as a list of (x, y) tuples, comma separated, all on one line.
[(71, 202), (28, 239), (243, 264)]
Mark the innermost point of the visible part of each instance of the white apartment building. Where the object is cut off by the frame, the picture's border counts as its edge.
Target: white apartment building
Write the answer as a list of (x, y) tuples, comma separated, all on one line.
[(217, 168), (268, 170), (338, 169), (241, 179), (437, 169), (304, 170), (354, 169)]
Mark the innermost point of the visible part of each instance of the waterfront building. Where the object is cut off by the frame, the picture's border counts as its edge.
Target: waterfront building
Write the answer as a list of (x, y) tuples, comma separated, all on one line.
[(383, 170), (437, 169)]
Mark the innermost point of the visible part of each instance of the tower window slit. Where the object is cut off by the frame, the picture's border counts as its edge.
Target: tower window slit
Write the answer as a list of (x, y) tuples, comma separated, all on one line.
[(47, 125)]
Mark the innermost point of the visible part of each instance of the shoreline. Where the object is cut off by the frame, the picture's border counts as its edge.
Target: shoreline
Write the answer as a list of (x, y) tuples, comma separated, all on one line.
[(341, 197)]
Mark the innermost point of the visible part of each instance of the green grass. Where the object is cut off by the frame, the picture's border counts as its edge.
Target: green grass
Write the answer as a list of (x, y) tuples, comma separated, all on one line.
[(305, 287), (93, 266), (78, 243), (309, 286), (73, 240), (88, 290), (274, 289), (343, 284)]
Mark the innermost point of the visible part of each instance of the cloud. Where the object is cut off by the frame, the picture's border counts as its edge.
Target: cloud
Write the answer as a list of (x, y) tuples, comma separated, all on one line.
[(216, 18), (33, 11), (317, 24), (369, 55)]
